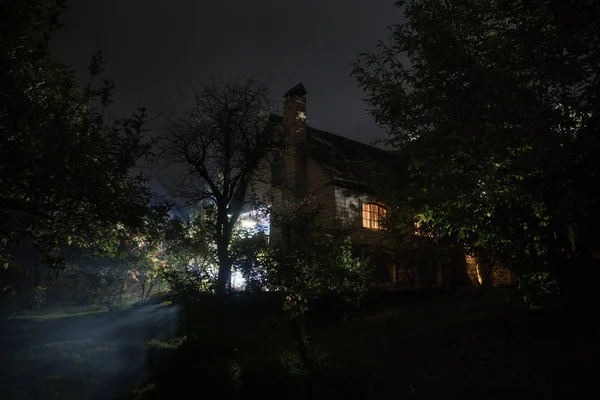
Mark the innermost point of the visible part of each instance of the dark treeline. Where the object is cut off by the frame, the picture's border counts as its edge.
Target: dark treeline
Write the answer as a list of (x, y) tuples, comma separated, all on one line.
[(494, 120)]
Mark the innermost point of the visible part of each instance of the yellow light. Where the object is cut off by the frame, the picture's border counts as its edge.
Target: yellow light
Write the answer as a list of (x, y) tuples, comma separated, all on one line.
[(479, 278)]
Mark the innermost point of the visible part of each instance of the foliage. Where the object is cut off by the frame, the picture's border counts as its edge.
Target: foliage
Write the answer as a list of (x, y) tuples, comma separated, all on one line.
[(218, 139), (309, 273), (65, 168), (129, 267), (492, 110), (250, 250), (145, 254), (102, 277), (189, 254), (38, 298), (435, 333), (538, 290), (417, 248), (310, 263)]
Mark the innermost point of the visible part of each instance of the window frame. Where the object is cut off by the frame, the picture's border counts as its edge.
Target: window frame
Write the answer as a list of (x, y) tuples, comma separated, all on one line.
[(373, 223)]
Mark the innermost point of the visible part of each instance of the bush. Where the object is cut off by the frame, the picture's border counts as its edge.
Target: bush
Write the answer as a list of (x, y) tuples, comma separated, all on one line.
[(38, 298), (538, 290)]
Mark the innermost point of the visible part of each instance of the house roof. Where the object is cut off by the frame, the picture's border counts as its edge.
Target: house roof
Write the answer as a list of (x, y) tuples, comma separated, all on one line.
[(350, 162)]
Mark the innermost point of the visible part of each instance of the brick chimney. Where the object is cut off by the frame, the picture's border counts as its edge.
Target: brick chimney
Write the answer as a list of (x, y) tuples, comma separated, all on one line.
[(294, 125), (294, 113)]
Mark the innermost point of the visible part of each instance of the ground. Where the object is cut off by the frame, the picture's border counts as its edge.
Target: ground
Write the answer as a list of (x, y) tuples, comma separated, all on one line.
[(73, 352), (417, 345)]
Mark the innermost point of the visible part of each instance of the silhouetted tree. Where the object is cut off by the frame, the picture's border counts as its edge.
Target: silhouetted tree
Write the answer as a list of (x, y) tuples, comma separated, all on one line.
[(218, 138), (65, 171)]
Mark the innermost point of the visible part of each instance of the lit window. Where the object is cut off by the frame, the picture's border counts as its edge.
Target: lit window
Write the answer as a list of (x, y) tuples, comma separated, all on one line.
[(372, 214)]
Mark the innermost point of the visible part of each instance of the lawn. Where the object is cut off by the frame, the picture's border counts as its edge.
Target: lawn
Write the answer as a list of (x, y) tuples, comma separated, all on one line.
[(72, 352), (412, 345), (417, 345)]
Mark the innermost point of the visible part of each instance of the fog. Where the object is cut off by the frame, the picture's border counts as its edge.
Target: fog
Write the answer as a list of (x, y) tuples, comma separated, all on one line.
[(108, 349)]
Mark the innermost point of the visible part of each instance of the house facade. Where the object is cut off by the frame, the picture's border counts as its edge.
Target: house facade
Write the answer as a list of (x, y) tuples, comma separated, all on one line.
[(338, 173)]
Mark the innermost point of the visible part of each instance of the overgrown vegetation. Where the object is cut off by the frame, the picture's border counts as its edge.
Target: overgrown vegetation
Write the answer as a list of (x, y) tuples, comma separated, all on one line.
[(66, 168), (494, 131), (416, 345), (494, 118), (218, 138)]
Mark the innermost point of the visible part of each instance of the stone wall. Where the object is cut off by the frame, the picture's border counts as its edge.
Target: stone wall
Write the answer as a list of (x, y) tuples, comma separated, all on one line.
[(320, 186)]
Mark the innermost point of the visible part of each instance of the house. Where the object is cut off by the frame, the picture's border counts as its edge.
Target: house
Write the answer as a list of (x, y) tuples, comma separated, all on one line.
[(339, 174)]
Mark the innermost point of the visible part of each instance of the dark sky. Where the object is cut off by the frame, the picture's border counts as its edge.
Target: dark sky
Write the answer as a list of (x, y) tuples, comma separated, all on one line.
[(155, 48)]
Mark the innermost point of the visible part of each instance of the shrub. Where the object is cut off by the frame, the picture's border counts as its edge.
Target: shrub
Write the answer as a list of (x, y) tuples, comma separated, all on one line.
[(38, 298), (538, 290)]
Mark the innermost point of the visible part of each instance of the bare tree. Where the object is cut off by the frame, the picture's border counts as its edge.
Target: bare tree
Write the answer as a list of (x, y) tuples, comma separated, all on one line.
[(218, 139)]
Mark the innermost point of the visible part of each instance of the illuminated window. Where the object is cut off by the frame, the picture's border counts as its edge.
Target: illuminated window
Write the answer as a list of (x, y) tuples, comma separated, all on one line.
[(372, 214)]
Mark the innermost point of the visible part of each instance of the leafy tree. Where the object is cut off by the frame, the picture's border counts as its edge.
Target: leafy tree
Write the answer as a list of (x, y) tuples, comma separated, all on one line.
[(146, 264), (311, 264), (249, 248), (65, 170), (218, 138), (129, 267), (106, 274), (492, 110), (189, 255)]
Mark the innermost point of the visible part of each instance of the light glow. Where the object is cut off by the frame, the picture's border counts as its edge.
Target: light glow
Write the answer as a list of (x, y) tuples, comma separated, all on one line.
[(248, 223), (372, 214)]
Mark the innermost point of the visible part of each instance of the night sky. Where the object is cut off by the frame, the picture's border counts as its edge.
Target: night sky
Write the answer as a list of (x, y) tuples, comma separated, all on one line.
[(157, 48)]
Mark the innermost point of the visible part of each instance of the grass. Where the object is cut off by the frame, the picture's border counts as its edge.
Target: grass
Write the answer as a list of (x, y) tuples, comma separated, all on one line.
[(171, 344), (413, 345), (79, 353), (65, 370), (58, 311), (445, 345)]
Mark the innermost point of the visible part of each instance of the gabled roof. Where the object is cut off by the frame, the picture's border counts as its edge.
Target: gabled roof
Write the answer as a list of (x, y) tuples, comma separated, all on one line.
[(297, 90), (350, 162)]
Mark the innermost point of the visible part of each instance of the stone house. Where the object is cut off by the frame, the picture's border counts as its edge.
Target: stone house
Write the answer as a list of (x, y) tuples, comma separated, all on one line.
[(336, 172)]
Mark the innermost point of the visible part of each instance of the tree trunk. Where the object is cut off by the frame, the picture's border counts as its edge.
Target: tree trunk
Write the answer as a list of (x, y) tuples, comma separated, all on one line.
[(37, 272), (574, 268), (151, 285), (487, 277), (224, 274), (302, 348), (143, 285), (565, 263), (566, 253)]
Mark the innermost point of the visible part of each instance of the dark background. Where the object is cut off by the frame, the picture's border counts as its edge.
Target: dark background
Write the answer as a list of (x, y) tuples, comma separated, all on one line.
[(155, 49)]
